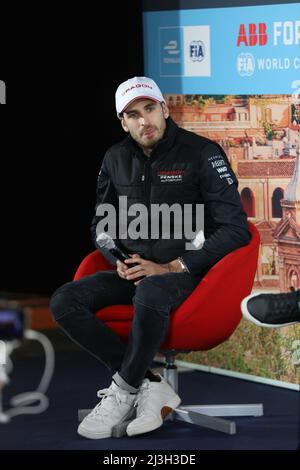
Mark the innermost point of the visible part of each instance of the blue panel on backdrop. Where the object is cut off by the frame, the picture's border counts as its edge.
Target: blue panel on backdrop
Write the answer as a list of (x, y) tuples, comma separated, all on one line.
[(171, 53), (245, 50)]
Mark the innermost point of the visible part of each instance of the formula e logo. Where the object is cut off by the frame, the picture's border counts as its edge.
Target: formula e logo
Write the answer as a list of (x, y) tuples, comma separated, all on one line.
[(172, 48), (245, 65), (197, 51), (2, 92)]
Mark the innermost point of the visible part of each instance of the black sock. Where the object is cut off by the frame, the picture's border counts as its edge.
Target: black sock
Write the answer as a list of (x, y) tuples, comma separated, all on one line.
[(152, 377)]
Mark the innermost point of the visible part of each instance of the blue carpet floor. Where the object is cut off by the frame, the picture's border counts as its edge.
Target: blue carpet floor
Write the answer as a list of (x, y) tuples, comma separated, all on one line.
[(77, 378)]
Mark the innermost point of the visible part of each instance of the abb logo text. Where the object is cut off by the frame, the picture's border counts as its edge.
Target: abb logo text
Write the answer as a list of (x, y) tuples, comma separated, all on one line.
[(286, 33), (253, 35)]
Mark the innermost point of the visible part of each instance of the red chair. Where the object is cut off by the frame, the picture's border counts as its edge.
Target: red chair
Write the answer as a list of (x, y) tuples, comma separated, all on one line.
[(203, 321)]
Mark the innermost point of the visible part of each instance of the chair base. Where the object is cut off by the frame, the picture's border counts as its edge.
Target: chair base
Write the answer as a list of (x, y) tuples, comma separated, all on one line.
[(208, 416)]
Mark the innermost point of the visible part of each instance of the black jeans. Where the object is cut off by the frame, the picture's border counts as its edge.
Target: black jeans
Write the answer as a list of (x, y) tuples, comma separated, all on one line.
[(74, 305)]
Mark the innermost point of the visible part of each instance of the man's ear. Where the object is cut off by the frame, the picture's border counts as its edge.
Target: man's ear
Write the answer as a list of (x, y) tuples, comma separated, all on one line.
[(123, 124), (166, 111)]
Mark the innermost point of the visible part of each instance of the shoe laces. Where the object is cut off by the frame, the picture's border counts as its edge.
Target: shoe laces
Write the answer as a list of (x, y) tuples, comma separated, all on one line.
[(105, 408), (286, 303), (142, 396)]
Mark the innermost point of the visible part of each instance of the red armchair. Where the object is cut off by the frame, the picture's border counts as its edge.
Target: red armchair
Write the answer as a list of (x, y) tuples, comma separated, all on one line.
[(203, 321)]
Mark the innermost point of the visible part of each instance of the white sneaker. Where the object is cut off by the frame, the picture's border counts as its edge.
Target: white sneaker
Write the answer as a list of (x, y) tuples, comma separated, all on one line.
[(115, 407), (154, 401)]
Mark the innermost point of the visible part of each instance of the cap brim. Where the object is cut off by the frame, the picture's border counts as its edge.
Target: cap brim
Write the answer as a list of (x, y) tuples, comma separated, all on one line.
[(140, 98)]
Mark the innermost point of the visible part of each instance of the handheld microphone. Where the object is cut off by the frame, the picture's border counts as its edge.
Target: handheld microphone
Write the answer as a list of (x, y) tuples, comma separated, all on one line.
[(105, 241)]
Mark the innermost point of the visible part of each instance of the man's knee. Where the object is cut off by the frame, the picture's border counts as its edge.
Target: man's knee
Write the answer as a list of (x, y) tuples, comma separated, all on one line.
[(63, 300), (150, 293)]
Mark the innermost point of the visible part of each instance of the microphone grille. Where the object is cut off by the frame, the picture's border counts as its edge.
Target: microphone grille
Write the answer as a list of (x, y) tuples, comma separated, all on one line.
[(105, 241)]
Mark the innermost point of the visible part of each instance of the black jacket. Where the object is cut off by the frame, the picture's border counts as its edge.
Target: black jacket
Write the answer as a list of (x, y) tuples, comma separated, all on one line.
[(183, 168)]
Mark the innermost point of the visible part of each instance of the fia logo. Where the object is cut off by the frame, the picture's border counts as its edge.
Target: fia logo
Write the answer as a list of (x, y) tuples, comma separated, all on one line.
[(197, 51), (2, 92), (245, 65), (2, 353)]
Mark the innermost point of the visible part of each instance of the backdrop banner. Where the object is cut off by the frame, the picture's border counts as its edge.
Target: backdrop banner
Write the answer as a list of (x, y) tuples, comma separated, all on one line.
[(232, 74)]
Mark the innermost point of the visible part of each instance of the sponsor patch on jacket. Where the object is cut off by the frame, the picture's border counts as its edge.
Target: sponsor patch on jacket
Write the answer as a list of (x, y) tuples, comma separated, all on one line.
[(221, 167), (170, 176)]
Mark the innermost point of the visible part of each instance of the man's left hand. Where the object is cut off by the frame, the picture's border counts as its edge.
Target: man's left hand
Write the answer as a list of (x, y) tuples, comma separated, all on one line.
[(144, 267)]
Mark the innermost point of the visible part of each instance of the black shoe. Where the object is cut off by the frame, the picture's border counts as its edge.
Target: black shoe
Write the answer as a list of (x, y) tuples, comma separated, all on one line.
[(272, 310)]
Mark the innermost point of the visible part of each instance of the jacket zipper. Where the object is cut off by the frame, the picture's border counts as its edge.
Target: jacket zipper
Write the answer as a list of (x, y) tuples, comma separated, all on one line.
[(147, 182)]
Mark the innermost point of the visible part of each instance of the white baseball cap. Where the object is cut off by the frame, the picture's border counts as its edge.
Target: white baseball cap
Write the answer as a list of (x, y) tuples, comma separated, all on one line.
[(134, 88)]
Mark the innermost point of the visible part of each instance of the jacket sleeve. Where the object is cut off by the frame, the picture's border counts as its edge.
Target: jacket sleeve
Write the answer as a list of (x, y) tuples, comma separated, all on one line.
[(105, 194), (225, 222)]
